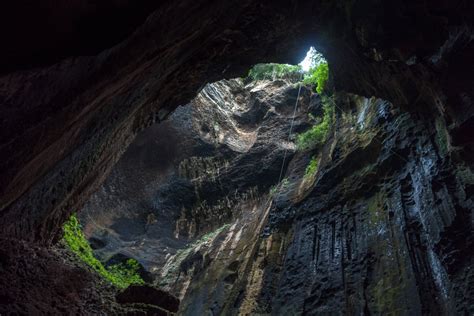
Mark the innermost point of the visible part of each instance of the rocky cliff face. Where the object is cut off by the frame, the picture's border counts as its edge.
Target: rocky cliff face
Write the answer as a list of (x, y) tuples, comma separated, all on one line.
[(183, 181), (72, 100), (377, 232), (68, 122), (382, 227)]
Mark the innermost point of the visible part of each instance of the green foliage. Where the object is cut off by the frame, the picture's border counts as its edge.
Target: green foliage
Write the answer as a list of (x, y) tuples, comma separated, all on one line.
[(124, 274), (120, 275), (273, 190), (318, 76), (274, 71), (312, 167), (283, 185), (317, 134)]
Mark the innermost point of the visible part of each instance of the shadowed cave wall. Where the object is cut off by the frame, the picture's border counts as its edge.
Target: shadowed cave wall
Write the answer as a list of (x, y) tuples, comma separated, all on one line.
[(370, 232), (67, 117)]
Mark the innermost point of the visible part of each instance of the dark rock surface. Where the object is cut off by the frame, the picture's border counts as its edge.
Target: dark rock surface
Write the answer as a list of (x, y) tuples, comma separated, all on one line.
[(188, 176), (38, 281), (397, 201), (371, 235), (148, 295), (384, 226), (65, 125)]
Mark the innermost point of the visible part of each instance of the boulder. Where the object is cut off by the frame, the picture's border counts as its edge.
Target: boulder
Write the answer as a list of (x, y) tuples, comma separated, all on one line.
[(144, 294)]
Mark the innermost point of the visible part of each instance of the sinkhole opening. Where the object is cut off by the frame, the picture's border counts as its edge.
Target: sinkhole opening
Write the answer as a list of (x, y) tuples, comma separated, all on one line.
[(192, 194)]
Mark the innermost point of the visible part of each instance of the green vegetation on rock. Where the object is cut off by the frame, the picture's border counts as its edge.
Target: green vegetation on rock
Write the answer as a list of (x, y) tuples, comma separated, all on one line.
[(274, 71), (121, 275), (312, 167), (318, 76), (279, 187), (317, 134)]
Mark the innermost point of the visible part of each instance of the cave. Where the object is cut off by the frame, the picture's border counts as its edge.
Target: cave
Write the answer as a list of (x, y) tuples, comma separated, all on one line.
[(137, 125)]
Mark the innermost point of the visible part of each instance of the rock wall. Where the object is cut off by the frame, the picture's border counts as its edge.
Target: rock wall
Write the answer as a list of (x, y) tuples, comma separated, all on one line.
[(383, 227), (68, 116), (66, 124), (187, 177), (372, 236)]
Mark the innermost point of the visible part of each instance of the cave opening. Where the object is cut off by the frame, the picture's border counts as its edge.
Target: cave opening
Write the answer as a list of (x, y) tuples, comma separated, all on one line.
[(193, 188), (344, 187)]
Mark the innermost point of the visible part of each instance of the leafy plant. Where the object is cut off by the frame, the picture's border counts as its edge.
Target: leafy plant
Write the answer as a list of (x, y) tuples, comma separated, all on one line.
[(312, 167), (273, 71), (317, 134), (121, 275), (318, 76)]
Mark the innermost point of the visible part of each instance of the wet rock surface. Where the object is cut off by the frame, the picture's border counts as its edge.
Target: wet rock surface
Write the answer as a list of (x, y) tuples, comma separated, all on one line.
[(399, 200), (383, 226), (184, 181), (378, 230), (369, 236)]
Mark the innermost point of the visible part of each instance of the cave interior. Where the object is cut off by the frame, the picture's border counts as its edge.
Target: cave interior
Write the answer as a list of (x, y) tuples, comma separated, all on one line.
[(194, 158)]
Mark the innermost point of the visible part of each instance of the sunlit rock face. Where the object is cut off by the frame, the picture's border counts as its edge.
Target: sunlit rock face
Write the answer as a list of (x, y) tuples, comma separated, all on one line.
[(70, 107), (190, 176), (377, 231), (372, 231), (67, 120)]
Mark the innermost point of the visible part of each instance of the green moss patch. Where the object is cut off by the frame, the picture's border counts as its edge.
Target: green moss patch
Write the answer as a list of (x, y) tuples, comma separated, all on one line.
[(121, 275), (311, 168), (317, 134), (274, 71)]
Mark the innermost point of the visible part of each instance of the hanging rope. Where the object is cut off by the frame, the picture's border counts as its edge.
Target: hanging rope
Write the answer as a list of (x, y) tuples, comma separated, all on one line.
[(291, 129)]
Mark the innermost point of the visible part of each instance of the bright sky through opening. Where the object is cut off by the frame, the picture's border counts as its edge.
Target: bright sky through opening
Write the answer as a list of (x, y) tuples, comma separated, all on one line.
[(313, 58), (308, 61)]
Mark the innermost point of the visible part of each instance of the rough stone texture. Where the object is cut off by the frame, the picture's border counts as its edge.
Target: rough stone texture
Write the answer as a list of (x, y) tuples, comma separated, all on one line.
[(148, 295), (386, 228), (188, 176), (372, 235), (65, 123), (82, 112), (383, 227), (38, 281)]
